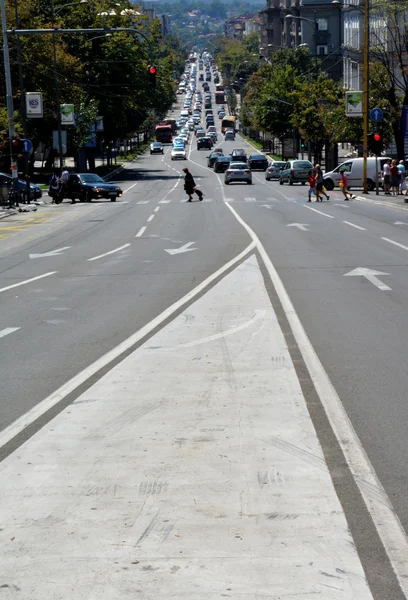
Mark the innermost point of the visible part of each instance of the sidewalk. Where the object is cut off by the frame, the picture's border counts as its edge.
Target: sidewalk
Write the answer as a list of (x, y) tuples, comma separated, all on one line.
[(381, 199)]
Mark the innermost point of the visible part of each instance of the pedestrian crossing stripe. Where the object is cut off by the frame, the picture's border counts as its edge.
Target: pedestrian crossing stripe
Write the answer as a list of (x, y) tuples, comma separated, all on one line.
[(164, 201), (250, 199)]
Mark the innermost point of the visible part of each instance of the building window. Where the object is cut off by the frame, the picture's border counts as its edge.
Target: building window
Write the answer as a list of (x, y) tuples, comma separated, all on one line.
[(322, 24), (322, 50)]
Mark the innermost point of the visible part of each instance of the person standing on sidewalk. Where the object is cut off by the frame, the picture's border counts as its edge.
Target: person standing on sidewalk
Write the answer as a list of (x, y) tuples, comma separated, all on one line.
[(63, 180), (386, 177), (394, 175), (319, 184), (402, 172)]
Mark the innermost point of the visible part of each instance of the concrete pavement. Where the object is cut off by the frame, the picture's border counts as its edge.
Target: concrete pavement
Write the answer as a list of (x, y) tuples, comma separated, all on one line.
[(326, 340)]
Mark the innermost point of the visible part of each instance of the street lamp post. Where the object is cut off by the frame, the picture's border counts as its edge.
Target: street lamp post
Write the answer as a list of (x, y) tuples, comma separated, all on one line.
[(314, 25)]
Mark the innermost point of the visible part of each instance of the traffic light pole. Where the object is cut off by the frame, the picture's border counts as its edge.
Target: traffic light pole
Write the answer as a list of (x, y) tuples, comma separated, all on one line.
[(7, 73)]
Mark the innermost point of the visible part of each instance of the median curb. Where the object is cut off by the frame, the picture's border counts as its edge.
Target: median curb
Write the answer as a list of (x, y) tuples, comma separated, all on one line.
[(365, 200)]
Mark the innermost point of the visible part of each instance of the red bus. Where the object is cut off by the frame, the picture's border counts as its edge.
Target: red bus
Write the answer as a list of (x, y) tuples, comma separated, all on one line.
[(164, 133), (220, 97)]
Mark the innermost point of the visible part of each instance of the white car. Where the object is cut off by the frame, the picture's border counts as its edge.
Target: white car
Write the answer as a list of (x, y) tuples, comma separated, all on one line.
[(178, 153), (272, 172), (238, 171)]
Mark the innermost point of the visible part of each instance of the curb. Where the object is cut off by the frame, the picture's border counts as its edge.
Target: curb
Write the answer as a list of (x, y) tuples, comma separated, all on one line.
[(381, 203)]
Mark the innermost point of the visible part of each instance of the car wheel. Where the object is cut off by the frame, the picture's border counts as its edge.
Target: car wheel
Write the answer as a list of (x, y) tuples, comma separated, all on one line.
[(303, 183), (267, 178), (290, 181), (113, 199), (328, 184), (280, 181), (370, 185), (81, 198), (249, 182), (89, 197), (227, 183)]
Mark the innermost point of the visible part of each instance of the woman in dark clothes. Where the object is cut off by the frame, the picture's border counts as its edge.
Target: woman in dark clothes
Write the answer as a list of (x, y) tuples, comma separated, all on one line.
[(190, 186)]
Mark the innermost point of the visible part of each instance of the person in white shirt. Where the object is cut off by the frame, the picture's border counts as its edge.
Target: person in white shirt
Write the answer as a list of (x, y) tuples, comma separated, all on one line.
[(387, 177), (63, 180)]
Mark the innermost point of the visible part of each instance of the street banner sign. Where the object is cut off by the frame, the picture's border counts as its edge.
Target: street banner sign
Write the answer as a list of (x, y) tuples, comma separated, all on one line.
[(67, 114), (354, 104), (34, 105), (376, 114)]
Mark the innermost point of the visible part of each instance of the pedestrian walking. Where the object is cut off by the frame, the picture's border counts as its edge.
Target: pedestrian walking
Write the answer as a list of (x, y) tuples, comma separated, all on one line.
[(319, 184), (402, 173), (53, 187), (63, 181), (190, 186), (395, 178), (345, 185), (386, 177), (311, 180)]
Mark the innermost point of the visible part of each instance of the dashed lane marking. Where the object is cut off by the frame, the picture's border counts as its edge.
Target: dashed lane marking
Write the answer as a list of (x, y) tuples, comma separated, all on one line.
[(319, 212), (8, 330)]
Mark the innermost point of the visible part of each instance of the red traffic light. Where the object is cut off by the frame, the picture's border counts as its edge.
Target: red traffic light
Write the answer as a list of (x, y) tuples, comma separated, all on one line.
[(377, 137), (16, 143), (152, 70)]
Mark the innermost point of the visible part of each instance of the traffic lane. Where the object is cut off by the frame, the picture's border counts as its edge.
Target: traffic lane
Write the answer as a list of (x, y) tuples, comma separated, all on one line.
[(72, 318), (354, 327)]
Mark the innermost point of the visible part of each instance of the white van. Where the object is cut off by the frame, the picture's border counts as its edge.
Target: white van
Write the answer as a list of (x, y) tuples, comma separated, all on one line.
[(354, 171)]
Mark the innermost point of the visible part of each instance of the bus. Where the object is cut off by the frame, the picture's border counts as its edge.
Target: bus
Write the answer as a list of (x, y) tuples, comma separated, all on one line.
[(172, 123), (219, 97), (228, 123), (164, 133)]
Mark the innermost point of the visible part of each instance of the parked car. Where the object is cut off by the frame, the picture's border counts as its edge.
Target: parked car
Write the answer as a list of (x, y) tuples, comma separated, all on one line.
[(273, 171), (204, 142), (354, 171), (178, 153), (35, 190), (156, 148), (211, 158), (221, 164), (238, 155), (89, 186), (238, 171), (258, 161), (295, 171)]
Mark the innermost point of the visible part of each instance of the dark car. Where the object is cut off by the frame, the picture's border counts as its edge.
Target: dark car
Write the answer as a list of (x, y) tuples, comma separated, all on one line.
[(204, 142), (212, 158), (221, 164), (35, 190), (238, 155), (89, 186), (258, 161), (156, 148)]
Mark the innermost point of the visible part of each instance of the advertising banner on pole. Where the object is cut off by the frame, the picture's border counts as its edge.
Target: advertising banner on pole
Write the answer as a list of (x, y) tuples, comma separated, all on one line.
[(67, 114), (354, 104), (34, 105)]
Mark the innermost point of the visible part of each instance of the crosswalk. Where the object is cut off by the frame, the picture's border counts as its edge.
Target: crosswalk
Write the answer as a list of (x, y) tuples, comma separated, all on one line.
[(249, 200)]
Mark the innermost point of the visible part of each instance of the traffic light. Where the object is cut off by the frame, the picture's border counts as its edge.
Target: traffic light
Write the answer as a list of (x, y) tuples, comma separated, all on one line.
[(302, 144), (375, 143), (269, 103), (152, 70), (18, 146)]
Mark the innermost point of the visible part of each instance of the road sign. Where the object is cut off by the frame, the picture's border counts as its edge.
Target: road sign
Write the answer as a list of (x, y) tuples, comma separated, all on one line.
[(376, 114), (28, 146)]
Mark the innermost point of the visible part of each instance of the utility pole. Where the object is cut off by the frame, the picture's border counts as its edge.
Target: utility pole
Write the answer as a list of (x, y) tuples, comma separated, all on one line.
[(7, 73)]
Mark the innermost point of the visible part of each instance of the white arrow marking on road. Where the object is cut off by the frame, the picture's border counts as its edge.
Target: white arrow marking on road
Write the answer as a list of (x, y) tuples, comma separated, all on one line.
[(302, 226), (8, 330), (51, 253), (369, 274), (185, 248), (266, 206)]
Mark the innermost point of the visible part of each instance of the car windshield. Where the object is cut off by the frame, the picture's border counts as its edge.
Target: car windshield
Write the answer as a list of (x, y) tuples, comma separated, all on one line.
[(91, 178), (238, 165), (303, 164), (257, 157), (278, 164), (224, 159), (157, 144)]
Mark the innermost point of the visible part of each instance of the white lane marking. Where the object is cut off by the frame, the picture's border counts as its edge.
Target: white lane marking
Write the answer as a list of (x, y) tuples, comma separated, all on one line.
[(266, 206), (370, 275), (108, 253), (129, 188), (141, 232), (395, 243), (157, 209), (228, 199), (382, 512), (401, 223), (25, 420), (250, 199), (164, 201), (143, 202), (356, 226), (8, 330), (56, 252), (150, 218), (184, 248), (318, 211), (259, 314), (342, 205), (14, 285), (301, 226)]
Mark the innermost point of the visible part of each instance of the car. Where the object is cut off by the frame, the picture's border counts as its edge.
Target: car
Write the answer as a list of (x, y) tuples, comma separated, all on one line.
[(273, 171), (238, 155), (221, 164), (258, 161), (211, 128), (238, 171), (354, 171), (178, 153), (295, 171), (89, 186), (229, 136), (156, 148), (204, 142), (184, 137), (213, 136), (178, 141), (35, 190), (211, 158)]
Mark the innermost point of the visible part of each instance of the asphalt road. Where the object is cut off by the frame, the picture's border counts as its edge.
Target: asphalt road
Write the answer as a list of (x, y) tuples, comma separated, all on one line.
[(106, 271)]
